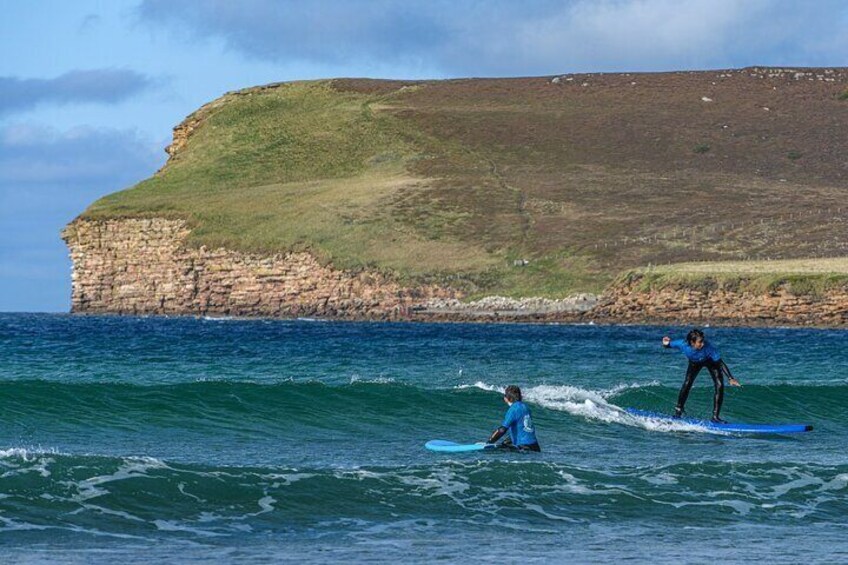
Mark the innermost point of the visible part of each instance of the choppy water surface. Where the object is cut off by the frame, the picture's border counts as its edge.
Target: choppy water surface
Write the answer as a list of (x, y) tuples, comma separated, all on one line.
[(180, 439)]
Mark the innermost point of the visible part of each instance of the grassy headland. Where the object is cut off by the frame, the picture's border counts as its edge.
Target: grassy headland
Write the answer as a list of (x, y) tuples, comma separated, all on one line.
[(536, 186)]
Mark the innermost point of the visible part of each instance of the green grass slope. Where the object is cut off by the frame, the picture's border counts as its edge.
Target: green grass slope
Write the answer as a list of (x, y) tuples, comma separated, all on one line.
[(462, 181)]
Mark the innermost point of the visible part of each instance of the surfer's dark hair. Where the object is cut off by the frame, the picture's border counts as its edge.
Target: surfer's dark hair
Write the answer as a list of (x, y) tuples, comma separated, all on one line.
[(512, 393), (694, 335)]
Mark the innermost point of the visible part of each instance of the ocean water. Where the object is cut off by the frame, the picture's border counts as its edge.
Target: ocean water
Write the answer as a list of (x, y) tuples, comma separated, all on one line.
[(180, 440)]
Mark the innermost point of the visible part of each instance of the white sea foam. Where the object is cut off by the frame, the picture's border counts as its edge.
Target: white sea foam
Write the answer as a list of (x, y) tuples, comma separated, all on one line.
[(482, 386), (660, 479), (287, 479), (266, 503), (356, 379), (15, 452), (27, 454), (839, 482), (107, 511), (594, 405), (800, 483), (8, 524), (174, 526), (623, 387), (549, 515), (542, 390), (441, 482), (182, 486), (33, 461), (741, 507), (132, 467)]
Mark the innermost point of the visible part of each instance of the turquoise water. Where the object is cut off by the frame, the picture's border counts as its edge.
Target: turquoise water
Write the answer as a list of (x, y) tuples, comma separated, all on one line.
[(194, 439)]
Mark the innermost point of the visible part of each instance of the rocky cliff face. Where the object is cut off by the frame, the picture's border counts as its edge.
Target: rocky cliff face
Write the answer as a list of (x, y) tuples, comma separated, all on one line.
[(143, 266), (626, 302)]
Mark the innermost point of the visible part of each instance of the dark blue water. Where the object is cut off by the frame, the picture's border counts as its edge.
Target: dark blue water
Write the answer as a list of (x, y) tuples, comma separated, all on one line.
[(188, 439)]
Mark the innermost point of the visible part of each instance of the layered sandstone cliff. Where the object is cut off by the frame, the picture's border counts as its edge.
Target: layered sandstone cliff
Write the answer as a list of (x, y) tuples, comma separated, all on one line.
[(714, 302), (144, 266)]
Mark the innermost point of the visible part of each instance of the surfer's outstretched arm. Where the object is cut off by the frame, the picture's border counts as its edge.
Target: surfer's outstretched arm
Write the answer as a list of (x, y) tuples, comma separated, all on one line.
[(497, 434), (667, 342), (726, 370)]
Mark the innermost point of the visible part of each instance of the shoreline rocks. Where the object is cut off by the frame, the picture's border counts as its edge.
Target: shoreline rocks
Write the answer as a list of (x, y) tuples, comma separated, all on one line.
[(490, 305)]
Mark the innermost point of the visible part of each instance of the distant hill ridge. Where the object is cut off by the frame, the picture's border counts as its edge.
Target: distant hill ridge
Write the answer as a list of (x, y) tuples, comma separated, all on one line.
[(541, 186)]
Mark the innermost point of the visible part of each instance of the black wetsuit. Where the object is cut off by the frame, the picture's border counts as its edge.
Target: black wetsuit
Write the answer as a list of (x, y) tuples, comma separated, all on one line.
[(507, 442), (709, 357), (714, 367)]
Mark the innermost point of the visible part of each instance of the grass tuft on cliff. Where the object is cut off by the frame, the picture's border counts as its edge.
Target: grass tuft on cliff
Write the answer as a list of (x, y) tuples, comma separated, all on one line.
[(514, 186)]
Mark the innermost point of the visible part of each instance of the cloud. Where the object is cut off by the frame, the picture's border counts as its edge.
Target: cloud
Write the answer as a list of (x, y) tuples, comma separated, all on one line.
[(323, 30), (105, 86), (34, 155), (503, 37)]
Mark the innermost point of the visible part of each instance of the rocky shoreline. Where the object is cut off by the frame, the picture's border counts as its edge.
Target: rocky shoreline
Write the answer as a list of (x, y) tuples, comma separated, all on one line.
[(500, 306)]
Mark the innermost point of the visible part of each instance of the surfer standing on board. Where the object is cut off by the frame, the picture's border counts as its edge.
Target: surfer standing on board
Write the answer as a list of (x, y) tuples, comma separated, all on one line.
[(701, 354), (518, 422)]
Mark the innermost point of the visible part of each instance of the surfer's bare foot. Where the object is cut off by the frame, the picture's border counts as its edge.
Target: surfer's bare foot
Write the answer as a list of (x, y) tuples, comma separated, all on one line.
[(717, 420)]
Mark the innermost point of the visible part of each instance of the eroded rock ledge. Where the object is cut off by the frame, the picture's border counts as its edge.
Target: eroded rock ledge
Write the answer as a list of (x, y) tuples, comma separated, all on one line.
[(714, 303), (143, 266)]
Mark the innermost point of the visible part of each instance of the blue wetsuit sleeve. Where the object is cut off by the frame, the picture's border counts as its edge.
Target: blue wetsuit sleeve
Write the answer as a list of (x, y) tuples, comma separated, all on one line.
[(510, 417), (677, 344)]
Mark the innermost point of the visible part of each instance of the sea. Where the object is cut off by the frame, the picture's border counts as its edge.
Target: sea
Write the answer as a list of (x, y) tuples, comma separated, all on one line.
[(182, 440)]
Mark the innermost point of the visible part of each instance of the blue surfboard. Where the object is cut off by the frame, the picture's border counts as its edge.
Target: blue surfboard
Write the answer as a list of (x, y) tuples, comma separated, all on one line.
[(444, 446), (733, 428)]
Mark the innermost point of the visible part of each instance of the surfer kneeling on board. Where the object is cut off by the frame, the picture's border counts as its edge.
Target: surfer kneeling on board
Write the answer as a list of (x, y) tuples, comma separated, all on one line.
[(518, 422), (701, 354)]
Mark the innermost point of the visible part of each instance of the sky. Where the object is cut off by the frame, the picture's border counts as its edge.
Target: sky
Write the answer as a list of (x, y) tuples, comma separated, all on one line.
[(90, 90)]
